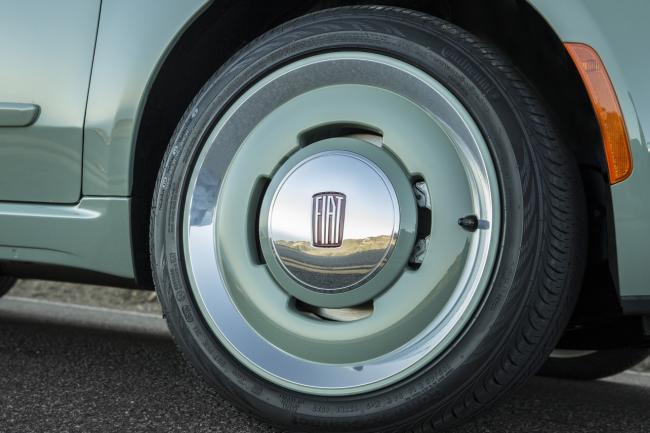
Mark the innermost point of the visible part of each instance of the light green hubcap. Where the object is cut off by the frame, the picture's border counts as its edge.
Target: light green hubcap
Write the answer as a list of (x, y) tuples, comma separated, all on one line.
[(312, 255)]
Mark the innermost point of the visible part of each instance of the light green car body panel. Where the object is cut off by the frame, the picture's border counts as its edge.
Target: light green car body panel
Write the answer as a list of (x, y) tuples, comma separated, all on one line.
[(48, 65), (93, 234), (132, 41), (134, 38), (617, 30)]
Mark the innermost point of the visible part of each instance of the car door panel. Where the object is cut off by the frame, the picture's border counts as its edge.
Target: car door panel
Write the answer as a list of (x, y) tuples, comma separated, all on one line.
[(46, 52)]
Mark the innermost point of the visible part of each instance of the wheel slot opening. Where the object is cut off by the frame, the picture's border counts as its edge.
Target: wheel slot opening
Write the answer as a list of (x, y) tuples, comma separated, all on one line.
[(424, 217), (346, 314), (255, 206), (338, 130)]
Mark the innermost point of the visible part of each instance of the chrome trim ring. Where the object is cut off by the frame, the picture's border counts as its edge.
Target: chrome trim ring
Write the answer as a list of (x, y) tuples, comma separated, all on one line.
[(435, 138)]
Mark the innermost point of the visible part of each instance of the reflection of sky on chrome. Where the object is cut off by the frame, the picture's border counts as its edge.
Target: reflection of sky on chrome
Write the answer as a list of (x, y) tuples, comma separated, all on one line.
[(368, 211), (203, 237)]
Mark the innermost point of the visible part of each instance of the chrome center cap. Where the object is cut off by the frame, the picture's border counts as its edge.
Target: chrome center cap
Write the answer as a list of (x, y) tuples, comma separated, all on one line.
[(333, 221)]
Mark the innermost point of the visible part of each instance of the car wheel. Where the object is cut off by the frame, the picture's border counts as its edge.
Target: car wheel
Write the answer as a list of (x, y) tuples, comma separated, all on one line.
[(366, 222), (591, 364), (6, 283)]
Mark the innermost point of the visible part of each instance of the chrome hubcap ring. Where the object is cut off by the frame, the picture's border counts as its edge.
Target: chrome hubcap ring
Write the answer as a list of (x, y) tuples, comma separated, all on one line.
[(414, 318)]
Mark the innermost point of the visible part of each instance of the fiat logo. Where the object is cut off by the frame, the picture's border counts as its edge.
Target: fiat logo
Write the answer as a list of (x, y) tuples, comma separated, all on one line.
[(328, 219)]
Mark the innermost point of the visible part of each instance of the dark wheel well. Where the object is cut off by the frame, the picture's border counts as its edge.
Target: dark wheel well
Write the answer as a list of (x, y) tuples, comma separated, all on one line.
[(512, 25)]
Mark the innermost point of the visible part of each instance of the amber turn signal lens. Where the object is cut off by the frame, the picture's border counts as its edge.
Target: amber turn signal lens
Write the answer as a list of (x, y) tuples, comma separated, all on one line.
[(608, 111)]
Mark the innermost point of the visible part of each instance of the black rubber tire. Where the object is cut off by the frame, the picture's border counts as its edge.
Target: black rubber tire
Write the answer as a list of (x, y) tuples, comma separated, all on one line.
[(6, 283), (594, 365), (540, 264)]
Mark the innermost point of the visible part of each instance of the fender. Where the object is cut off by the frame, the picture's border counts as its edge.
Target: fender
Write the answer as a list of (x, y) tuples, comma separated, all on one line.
[(133, 41), (620, 39)]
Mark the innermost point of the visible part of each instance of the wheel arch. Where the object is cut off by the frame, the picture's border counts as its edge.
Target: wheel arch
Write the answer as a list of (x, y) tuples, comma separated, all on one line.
[(219, 30)]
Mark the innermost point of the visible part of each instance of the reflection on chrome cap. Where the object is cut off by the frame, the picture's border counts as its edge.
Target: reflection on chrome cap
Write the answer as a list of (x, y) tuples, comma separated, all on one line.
[(334, 221)]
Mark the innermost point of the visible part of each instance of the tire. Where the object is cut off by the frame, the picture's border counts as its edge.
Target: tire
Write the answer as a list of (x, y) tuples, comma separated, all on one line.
[(6, 283), (528, 289), (591, 364)]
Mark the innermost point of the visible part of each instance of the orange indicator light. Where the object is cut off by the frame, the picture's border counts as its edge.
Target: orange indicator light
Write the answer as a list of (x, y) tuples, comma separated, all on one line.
[(607, 109)]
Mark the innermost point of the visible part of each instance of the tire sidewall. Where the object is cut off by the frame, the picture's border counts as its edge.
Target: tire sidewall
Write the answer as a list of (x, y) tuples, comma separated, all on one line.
[(478, 353)]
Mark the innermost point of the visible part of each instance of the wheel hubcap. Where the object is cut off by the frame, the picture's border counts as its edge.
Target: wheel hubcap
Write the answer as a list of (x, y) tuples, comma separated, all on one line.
[(332, 231), (321, 226)]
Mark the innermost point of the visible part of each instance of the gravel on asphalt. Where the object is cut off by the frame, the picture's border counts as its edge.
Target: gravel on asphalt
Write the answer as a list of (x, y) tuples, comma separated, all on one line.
[(64, 378), (143, 301)]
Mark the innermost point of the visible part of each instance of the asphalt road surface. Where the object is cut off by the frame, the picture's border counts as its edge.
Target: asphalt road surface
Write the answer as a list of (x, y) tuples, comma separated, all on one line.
[(79, 369)]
